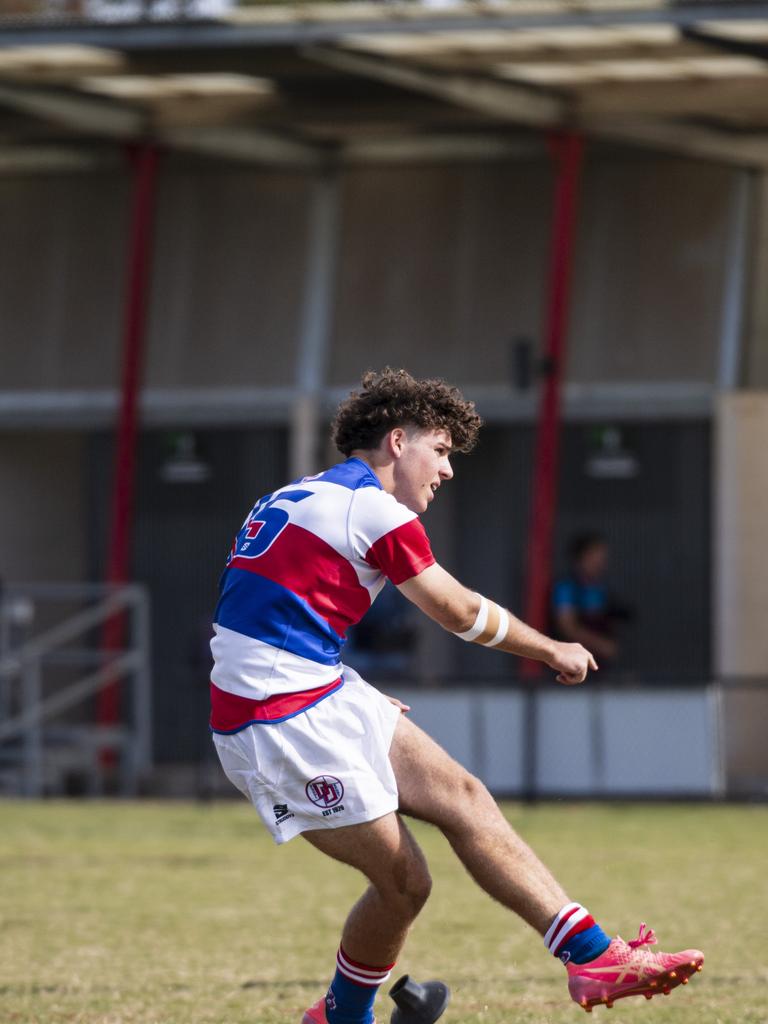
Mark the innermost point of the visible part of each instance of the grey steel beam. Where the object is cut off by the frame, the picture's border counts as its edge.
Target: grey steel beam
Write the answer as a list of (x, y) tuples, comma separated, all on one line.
[(160, 407), (316, 321), (734, 283), (755, 350), (224, 406)]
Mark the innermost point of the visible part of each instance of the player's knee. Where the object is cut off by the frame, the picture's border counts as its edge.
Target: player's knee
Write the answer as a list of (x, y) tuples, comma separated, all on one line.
[(420, 888), (417, 891), (474, 794), (411, 885), (471, 803)]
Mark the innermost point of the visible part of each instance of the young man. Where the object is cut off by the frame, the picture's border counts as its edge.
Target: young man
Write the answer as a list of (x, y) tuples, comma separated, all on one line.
[(321, 753), (583, 609)]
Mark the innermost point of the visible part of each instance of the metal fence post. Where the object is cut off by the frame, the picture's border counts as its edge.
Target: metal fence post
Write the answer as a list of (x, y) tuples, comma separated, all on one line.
[(33, 735), (142, 684), (5, 648)]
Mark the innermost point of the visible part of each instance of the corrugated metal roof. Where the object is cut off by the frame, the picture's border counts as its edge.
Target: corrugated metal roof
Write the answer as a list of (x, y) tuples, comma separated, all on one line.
[(320, 79)]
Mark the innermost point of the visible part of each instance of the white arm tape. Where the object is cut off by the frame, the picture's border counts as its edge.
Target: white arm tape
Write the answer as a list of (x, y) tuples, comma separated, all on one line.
[(480, 621), (501, 632)]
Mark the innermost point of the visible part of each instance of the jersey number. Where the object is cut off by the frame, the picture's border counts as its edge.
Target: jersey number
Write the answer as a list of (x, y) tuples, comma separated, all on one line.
[(265, 524)]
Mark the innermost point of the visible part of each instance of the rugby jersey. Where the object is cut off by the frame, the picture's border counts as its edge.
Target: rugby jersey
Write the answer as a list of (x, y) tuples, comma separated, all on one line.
[(306, 565)]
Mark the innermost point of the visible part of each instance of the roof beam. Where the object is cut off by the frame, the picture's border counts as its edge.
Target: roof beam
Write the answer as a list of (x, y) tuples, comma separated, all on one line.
[(519, 104), (689, 141), (247, 145), (747, 38), (702, 97), (477, 48), (185, 100), (48, 158), (57, 62), (94, 115), (439, 148), (82, 113)]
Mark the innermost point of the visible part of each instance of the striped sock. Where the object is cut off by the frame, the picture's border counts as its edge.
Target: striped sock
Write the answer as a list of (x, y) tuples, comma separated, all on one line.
[(575, 936), (353, 990)]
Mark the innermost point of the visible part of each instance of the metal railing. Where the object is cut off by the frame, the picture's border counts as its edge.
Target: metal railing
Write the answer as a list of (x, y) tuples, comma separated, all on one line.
[(36, 752)]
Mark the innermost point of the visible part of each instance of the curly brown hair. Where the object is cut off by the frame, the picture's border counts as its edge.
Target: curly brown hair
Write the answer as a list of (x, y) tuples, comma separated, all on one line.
[(393, 398)]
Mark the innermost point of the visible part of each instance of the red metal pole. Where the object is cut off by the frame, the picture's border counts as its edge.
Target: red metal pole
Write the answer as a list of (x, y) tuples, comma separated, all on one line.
[(568, 152), (144, 160)]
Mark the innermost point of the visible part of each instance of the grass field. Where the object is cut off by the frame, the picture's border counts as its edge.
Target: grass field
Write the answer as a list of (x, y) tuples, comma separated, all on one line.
[(181, 914)]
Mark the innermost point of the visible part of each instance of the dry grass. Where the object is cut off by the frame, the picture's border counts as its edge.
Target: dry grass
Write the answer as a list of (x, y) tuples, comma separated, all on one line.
[(122, 913)]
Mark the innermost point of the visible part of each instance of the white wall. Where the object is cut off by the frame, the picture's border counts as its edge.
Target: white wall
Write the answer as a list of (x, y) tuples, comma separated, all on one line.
[(621, 742)]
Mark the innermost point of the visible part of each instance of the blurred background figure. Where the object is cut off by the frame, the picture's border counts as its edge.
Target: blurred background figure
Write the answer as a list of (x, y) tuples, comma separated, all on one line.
[(583, 608)]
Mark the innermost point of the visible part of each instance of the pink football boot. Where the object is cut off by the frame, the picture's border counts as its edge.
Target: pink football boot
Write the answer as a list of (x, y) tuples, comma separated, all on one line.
[(316, 1014), (626, 969)]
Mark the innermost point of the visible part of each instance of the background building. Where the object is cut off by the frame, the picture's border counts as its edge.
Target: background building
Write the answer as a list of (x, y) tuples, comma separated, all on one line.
[(325, 190)]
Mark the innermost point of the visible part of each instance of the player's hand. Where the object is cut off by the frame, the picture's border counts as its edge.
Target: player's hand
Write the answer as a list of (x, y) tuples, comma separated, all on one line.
[(571, 662), (398, 704)]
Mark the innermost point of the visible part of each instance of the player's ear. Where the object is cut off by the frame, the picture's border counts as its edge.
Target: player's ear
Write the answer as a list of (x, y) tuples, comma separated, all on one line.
[(396, 439)]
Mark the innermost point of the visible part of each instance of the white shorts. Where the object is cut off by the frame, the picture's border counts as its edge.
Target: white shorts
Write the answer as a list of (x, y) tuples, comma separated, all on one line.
[(326, 767)]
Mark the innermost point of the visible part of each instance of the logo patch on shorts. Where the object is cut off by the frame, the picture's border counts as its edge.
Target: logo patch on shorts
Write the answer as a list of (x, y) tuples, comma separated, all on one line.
[(325, 791), (281, 813)]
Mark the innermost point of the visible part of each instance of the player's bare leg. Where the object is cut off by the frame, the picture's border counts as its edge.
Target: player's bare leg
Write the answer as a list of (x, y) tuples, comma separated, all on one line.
[(376, 928), (388, 855), (435, 788)]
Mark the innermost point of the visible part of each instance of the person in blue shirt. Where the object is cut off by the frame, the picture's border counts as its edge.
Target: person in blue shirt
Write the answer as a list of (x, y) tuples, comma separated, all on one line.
[(582, 607)]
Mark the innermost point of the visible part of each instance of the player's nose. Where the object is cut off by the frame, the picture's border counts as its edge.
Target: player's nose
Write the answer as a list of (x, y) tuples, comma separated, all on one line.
[(446, 470)]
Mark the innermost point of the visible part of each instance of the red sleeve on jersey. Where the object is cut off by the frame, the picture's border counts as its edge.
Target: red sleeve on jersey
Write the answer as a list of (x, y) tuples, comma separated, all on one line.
[(402, 553)]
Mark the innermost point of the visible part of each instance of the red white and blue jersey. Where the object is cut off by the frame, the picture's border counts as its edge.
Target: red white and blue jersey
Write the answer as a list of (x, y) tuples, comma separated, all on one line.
[(306, 565)]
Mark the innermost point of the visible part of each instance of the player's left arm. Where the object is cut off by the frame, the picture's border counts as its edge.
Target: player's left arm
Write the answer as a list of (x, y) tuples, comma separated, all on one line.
[(475, 618)]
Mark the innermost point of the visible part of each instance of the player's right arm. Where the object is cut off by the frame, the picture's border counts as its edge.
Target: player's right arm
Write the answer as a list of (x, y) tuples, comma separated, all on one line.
[(475, 618)]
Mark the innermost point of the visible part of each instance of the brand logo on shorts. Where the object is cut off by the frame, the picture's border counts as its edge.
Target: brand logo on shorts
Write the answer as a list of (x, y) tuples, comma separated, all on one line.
[(325, 791), (281, 813)]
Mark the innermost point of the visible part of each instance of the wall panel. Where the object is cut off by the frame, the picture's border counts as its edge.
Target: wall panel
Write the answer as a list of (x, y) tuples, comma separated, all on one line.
[(228, 277), (61, 279)]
